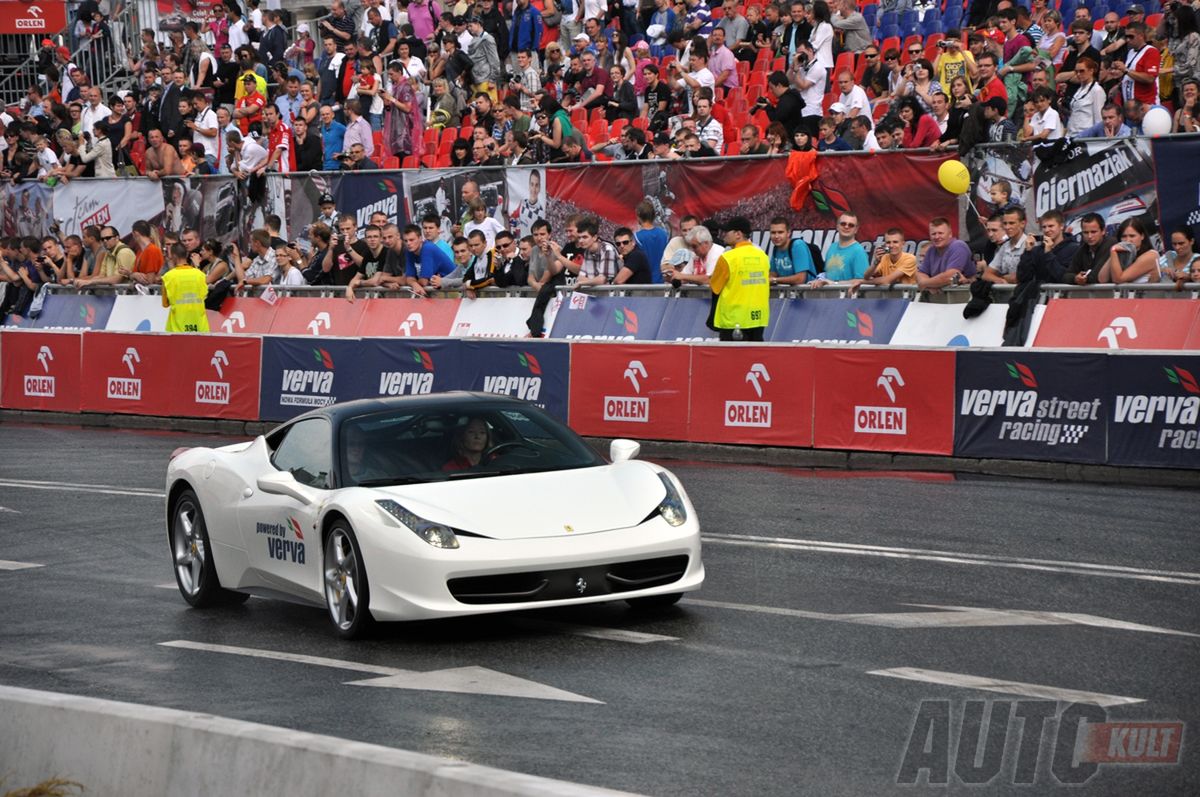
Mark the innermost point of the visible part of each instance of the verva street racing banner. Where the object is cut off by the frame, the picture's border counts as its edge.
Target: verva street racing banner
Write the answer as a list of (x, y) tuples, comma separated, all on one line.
[(301, 374), (127, 373), (629, 390), (73, 311), (752, 394), (884, 400), (1154, 418), (398, 367), (1117, 323), (534, 370), (40, 370), (1022, 404), (214, 376)]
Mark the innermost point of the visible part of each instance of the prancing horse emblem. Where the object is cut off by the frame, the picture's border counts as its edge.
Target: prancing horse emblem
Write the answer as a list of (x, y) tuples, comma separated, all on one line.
[(568, 527), (581, 585)]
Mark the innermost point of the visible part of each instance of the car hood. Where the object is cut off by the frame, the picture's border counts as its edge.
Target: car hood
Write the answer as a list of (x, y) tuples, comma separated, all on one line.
[(532, 505)]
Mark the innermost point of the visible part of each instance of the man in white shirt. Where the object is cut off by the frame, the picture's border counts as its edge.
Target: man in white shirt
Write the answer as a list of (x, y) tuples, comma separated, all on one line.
[(699, 77), (853, 97), (810, 81), (1045, 124), (249, 158), (237, 27), (707, 126), (204, 127), (225, 126), (93, 111)]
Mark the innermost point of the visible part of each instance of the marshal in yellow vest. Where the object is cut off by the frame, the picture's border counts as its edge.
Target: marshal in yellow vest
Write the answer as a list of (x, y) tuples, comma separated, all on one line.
[(742, 298), (184, 290)]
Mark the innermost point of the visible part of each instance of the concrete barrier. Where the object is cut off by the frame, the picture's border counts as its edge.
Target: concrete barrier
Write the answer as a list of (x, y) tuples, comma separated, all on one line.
[(144, 751)]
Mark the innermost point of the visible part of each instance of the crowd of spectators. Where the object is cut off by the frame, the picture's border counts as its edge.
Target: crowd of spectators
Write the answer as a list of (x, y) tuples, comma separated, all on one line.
[(429, 83)]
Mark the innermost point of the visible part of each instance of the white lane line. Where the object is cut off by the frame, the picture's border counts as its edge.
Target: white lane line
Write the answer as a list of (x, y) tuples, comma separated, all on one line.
[(596, 632), (1005, 687), (6, 509), (167, 585), (102, 489), (5, 565), (956, 557), (462, 680)]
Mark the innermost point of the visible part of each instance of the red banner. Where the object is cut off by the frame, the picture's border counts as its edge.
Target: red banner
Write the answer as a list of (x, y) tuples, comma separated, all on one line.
[(752, 394), (760, 191), (414, 318), (215, 376), (40, 370), (242, 316), (1118, 323), (128, 372), (326, 318), (630, 391), (40, 17), (884, 400)]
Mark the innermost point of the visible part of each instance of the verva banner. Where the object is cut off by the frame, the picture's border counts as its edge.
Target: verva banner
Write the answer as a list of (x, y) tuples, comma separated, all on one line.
[(1021, 404), (242, 315), (319, 317), (300, 374), (585, 316), (68, 311), (838, 321), (1117, 323), (415, 367), (215, 376), (40, 370), (629, 390), (408, 318), (1154, 417), (534, 370), (128, 373), (752, 394), (884, 400)]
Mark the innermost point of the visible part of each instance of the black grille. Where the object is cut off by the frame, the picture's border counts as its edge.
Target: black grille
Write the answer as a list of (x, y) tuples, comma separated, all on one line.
[(573, 582)]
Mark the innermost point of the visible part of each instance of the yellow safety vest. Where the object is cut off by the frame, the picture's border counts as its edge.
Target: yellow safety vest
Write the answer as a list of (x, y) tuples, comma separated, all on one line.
[(743, 301), (186, 287)]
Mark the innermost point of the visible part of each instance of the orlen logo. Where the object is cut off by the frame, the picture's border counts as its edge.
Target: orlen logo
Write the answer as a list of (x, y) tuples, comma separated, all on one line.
[(627, 319), (1111, 334), (401, 383), (320, 321), (1173, 410), (215, 392), (31, 22), (523, 387), (127, 388), (751, 413), (302, 387), (861, 322), (632, 409), (412, 325), (41, 385), (884, 420)]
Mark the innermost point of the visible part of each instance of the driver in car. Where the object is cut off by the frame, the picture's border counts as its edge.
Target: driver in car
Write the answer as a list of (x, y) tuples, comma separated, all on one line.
[(469, 444), (363, 461)]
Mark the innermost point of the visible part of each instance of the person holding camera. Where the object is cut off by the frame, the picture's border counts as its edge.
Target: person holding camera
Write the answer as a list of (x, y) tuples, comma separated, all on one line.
[(952, 61), (97, 150), (789, 106)]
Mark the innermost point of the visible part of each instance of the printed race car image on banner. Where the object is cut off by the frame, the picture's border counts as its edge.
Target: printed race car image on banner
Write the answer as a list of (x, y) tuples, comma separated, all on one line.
[(1113, 178), (440, 192)]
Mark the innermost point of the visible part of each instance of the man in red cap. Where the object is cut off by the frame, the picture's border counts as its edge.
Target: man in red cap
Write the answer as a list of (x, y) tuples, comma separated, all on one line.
[(65, 67)]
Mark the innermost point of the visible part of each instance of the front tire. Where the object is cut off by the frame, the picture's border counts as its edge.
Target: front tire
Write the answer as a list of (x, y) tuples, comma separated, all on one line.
[(195, 572), (347, 593), (655, 601)]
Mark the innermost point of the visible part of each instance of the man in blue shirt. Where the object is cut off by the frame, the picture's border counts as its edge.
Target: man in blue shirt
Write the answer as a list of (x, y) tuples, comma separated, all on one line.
[(947, 261), (333, 135), (651, 239), (422, 259), (846, 259), (791, 259)]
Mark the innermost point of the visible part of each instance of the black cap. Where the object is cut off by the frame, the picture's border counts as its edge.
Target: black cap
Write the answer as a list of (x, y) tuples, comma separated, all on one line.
[(662, 138), (325, 199), (475, 19)]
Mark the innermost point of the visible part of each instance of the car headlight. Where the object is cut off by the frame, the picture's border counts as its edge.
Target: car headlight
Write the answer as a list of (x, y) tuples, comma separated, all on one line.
[(672, 508), (436, 534)]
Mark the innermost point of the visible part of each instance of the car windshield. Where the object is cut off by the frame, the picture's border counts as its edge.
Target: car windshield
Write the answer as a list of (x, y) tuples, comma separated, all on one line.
[(406, 447)]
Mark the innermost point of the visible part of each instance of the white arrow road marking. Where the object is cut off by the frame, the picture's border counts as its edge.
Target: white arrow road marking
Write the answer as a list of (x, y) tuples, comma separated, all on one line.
[(960, 558), (1005, 687), (950, 617), (594, 632), (467, 680), (72, 487), (11, 511), (5, 565)]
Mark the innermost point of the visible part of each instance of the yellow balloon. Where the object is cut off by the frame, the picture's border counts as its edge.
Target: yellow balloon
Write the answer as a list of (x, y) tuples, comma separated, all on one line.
[(954, 177)]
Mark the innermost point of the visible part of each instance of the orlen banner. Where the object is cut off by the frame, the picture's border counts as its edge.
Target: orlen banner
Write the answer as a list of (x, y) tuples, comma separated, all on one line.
[(128, 373), (302, 315), (408, 318), (752, 394), (242, 315), (535, 370), (40, 370), (884, 400), (215, 376), (1020, 404), (415, 367), (1117, 323), (41, 18), (628, 390), (300, 374), (583, 315), (1154, 419), (838, 321)]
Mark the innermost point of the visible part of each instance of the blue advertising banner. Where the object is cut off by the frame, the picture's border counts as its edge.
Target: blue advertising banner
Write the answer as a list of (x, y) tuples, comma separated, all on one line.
[(1154, 418), (360, 195), (535, 370), (591, 317), (64, 311), (686, 319), (299, 374), (1178, 182), (1031, 405), (409, 367), (838, 320)]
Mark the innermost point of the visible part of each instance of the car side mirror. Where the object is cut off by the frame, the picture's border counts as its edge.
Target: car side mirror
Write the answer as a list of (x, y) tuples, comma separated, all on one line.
[(620, 450), (284, 483)]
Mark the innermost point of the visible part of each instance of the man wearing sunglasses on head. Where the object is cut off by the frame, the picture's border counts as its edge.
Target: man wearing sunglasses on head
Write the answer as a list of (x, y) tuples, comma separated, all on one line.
[(117, 260)]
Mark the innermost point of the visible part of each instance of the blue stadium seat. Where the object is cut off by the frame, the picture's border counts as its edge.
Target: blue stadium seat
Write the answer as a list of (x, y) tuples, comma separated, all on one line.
[(952, 18), (888, 31), (1118, 6), (930, 27), (869, 13), (888, 18), (907, 17), (1152, 7), (1067, 9)]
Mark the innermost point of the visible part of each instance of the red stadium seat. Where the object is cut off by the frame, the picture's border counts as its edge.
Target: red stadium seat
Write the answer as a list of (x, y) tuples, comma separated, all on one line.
[(579, 117), (743, 71), (409, 162), (733, 146), (890, 43), (432, 135), (444, 146), (443, 161), (826, 101), (844, 63), (598, 130), (594, 114), (641, 123), (779, 65), (618, 126), (881, 110), (466, 131)]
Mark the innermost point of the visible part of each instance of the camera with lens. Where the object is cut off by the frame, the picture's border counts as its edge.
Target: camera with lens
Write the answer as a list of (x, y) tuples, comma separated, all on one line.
[(801, 61)]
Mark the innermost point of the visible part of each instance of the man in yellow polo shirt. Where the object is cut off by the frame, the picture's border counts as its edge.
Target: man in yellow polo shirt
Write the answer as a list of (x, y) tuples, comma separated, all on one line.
[(741, 283), (184, 289)]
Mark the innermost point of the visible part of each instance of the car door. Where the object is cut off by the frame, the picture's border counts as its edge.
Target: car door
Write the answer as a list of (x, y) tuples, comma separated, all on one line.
[(283, 543)]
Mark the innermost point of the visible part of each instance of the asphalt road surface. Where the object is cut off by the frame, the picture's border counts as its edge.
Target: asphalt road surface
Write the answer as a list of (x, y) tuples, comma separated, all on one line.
[(843, 613)]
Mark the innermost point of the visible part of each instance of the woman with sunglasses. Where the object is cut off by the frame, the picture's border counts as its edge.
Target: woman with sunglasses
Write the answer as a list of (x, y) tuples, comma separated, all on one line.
[(555, 126)]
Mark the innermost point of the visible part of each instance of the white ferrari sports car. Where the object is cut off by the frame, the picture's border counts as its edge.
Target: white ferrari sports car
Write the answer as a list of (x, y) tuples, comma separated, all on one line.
[(428, 506)]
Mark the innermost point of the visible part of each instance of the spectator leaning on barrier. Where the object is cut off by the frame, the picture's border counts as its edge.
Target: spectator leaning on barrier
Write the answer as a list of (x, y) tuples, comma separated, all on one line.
[(184, 291), (117, 260), (1095, 244), (262, 270), (791, 259), (947, 261), (1003, 266), (893, 266), (1049, 260), (740, 284), (846, 259)]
